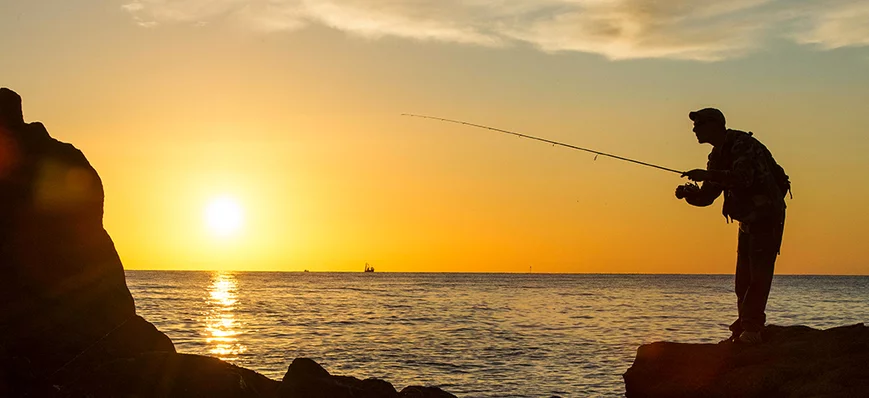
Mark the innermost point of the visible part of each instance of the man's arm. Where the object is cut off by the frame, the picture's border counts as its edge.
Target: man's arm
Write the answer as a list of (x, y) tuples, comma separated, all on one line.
[(704, 196)]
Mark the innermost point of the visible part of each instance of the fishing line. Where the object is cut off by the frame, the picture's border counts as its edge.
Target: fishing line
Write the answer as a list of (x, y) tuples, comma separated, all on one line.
[(547, 141)]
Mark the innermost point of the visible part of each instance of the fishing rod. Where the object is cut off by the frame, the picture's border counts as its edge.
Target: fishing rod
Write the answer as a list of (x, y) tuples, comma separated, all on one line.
[(547, 141)]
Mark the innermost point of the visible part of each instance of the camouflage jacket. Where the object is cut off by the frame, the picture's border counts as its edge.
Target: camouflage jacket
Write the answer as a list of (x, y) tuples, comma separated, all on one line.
[(744, 171)]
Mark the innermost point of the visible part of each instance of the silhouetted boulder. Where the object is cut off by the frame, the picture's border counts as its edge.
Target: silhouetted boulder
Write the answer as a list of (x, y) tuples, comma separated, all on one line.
[(64, 305), (793, 361), (424, 392), (164, 374), (307, 379)]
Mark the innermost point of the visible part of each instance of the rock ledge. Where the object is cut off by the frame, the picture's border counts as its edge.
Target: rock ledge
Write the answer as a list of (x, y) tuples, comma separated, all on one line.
[(793, 361)]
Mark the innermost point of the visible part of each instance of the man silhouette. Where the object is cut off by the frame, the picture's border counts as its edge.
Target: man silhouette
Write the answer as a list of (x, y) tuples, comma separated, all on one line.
[(754, 186)]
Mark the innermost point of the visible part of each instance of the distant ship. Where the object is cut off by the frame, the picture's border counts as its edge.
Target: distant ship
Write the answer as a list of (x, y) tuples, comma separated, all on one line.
[(369, 268)]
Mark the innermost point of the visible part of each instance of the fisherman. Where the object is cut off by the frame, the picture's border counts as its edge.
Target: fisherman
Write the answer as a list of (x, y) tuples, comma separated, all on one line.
[(754, 186)]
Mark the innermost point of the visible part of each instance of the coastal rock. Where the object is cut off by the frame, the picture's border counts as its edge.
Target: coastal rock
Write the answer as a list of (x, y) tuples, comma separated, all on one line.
[(793, 361), (307, 379), (164, 374), (64, 306), (424, 392), (173, 375)]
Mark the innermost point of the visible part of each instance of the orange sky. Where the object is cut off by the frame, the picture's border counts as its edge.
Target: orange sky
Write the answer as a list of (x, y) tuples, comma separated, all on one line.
[(301, 126)]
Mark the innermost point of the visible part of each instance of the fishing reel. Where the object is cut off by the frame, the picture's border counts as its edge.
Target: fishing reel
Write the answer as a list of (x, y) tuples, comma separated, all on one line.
[(687, 189)]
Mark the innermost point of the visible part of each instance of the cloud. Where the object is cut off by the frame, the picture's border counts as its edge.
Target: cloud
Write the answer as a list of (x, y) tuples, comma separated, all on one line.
[(413, 20), (147, 24), (698, 30), (271, 16), (837, 25), (133, 7), (703, 30)]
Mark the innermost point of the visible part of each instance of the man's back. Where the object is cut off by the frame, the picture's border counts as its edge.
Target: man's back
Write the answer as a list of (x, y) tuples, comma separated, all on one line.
[(752, 189)]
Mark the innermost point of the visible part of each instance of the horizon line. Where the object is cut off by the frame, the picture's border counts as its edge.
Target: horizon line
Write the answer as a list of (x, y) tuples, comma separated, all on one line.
[(471, 272)]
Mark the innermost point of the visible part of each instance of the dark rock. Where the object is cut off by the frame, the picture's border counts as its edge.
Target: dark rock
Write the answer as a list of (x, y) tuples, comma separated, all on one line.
[(307, 379), (304, 368), (424, 392), (163, 374), (794, 361), (64, 306)]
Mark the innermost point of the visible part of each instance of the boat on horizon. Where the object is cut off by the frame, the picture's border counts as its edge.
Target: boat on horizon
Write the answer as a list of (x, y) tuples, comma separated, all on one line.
[(369, 268)]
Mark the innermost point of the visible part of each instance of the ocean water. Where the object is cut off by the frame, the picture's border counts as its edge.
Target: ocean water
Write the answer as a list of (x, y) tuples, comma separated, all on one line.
[(474, 335)]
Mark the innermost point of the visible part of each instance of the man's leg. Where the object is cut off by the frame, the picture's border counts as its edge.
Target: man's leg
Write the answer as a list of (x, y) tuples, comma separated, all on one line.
[(765, 240), (743, 277), (754, 305)]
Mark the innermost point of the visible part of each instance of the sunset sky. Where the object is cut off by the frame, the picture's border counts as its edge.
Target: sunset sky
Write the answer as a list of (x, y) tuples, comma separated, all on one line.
[(288, 113)]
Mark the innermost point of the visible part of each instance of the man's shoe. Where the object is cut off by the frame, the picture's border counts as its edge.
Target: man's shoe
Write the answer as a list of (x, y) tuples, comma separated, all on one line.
[(750, 337), (734, 338)]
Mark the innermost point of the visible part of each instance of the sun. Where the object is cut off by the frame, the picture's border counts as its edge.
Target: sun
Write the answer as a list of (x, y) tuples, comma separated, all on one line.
[(224, 216)]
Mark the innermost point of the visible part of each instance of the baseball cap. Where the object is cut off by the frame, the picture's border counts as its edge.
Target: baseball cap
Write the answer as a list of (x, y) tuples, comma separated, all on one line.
[(707, 115)]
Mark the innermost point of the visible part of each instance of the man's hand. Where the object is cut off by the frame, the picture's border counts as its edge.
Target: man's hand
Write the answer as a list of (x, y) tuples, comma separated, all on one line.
[(698, 175), (686, 190)]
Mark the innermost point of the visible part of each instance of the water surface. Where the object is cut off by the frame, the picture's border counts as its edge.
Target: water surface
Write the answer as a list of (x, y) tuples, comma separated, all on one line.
[(474, 335)]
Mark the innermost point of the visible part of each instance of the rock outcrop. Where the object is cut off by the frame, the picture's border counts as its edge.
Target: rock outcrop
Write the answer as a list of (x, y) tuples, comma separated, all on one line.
[(172, 375), (68, 323), (64, 305), (793, 361), (165, 374), (307, 379)]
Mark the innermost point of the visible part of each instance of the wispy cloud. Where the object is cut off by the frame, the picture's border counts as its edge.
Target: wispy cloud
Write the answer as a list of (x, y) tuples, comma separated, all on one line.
[(843, 24), (705, 30), (699, 30), (133, 7)]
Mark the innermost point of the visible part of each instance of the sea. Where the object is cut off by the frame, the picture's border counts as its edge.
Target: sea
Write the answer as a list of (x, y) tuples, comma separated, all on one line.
[(474, 335)]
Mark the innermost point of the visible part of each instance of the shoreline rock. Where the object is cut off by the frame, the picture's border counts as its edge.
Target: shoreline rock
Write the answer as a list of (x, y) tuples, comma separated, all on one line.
[(793, 361), (64, 306), (305, 378), (165, 374)]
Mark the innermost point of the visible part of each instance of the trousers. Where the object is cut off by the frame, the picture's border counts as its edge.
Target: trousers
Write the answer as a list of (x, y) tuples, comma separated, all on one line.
[(758, 247)]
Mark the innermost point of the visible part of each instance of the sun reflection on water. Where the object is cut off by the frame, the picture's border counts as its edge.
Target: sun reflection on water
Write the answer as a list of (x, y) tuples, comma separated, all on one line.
[(222, 329)]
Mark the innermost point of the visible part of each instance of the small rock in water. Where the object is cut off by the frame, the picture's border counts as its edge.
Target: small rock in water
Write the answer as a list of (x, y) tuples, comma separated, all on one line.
[(307, 379)]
